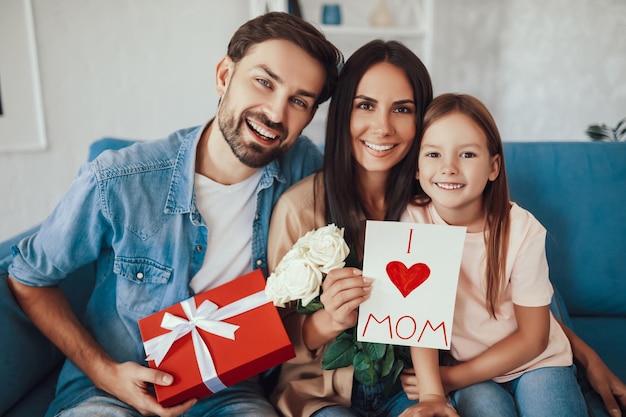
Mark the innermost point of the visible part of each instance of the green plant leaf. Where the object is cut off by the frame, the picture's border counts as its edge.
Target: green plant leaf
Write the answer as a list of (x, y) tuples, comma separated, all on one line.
[(403, 353), (599, 132), (376, 351), (388, 361), (365, 369), (397, 369), (620, 130), (312, 307), (340, 353), (394, 385), (372, 362)]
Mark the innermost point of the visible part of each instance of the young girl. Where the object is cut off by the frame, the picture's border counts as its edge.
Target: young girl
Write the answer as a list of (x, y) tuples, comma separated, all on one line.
[(511, 355)]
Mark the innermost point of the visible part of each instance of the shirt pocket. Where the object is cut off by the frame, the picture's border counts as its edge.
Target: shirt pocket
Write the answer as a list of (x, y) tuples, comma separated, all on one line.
[(141, 284)]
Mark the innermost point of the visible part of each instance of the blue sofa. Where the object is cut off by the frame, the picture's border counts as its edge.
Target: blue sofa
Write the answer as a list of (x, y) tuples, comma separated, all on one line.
[(576, 189)]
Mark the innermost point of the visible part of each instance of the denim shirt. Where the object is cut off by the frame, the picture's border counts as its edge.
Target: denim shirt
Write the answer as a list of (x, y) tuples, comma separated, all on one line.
[(133, 213)]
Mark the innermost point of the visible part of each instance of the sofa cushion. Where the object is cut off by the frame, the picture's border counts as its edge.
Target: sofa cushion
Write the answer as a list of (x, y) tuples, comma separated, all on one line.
[(36, 402), (28, 357), (577, 190), (605, 336)]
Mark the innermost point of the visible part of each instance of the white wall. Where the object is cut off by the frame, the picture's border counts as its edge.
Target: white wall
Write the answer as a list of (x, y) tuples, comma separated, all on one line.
[(546, 69), (143, 68), (135, 69)]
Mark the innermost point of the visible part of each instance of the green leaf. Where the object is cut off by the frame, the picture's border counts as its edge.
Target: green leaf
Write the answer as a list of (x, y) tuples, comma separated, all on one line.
[(599, 132), (620, 130), (388, 361), (352, 260), (340, 353), (397, 369), (312, 307), (365, 370), (372, 362), (376, 351), (394, 385), (403, 353)]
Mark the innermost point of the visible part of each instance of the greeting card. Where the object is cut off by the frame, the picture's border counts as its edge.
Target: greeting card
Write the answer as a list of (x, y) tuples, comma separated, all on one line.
[(415, 268)]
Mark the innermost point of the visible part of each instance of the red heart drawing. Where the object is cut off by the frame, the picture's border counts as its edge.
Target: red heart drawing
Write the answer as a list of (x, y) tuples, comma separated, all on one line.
[(406, 280)]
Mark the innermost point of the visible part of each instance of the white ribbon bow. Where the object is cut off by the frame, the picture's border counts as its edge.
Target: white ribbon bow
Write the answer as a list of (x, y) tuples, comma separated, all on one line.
[(209, 318)]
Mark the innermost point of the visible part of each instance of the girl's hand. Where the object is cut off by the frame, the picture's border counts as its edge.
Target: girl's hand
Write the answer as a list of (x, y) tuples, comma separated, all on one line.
[(343, 291), (430, 406), (409, 383)]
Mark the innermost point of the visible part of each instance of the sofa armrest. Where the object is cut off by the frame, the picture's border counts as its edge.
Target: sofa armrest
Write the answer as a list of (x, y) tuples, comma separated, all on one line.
[(28, 357)]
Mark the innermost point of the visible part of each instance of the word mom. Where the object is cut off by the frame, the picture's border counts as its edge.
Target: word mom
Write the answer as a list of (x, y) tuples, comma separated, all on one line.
[(406, 328)]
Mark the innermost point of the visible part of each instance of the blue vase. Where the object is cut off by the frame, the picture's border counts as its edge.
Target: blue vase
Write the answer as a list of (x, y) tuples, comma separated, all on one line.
[(331, 14)]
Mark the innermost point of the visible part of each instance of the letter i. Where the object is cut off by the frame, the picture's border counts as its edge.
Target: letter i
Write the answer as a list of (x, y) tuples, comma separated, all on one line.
[(408, 249)]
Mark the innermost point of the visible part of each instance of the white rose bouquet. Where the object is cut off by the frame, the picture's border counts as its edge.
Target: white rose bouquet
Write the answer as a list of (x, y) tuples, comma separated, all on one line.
[(298, 276)]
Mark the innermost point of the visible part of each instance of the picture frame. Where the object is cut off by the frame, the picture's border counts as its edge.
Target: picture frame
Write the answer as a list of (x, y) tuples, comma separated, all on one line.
[(22, 126)]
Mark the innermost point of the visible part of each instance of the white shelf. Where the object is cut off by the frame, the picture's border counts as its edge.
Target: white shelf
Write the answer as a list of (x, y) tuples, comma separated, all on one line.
[(340, 30)]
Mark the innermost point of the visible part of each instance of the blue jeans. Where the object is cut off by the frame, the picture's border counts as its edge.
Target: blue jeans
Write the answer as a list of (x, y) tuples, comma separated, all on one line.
[(550, 391), (245, 399), (369, 402)]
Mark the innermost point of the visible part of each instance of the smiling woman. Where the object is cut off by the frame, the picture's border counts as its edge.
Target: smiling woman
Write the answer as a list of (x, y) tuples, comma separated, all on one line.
[(370, 158), (383, 121)]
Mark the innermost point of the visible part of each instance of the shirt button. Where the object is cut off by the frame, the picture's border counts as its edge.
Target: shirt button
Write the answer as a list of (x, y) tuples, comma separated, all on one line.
[(256, 217), (140, 275), (259, 262), (198, 248)]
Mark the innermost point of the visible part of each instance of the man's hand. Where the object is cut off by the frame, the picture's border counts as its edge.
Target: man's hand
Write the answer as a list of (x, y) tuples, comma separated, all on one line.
[(603, 381), (50, 311), (129, 382), (610, 387)]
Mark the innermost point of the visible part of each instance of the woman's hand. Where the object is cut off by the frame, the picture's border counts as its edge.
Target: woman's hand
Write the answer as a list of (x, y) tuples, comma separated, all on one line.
[(343, 291)]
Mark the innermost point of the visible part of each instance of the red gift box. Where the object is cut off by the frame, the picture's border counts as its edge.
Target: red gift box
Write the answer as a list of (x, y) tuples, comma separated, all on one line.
[(207, 346)]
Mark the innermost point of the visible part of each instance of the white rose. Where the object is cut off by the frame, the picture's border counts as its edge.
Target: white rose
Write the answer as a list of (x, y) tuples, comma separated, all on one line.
[(301, 280), (327, 248), (275, 290), (304, 242)]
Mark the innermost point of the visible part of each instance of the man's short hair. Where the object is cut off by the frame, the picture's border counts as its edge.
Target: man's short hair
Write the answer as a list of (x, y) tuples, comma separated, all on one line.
[(285, 26)]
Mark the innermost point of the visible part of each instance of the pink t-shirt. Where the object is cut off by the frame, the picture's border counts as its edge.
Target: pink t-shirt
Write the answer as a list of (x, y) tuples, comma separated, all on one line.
[(527, 284)]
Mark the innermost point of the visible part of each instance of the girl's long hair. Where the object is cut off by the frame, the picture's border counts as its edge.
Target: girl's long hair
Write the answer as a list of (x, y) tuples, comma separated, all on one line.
[(496, 203), (344, 205)]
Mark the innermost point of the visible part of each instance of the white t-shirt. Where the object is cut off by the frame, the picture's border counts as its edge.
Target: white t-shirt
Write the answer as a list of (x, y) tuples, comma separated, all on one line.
[(527, 284), (228, 211)]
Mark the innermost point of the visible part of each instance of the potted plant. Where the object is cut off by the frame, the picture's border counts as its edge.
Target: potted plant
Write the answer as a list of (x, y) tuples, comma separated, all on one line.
[(602, 132)]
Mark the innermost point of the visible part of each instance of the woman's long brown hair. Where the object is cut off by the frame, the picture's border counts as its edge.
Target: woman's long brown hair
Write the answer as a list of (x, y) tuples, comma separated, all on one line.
[(344, 205)]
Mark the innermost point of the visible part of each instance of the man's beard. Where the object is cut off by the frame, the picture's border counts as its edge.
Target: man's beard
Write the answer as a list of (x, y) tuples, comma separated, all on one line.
[(251, 154)]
